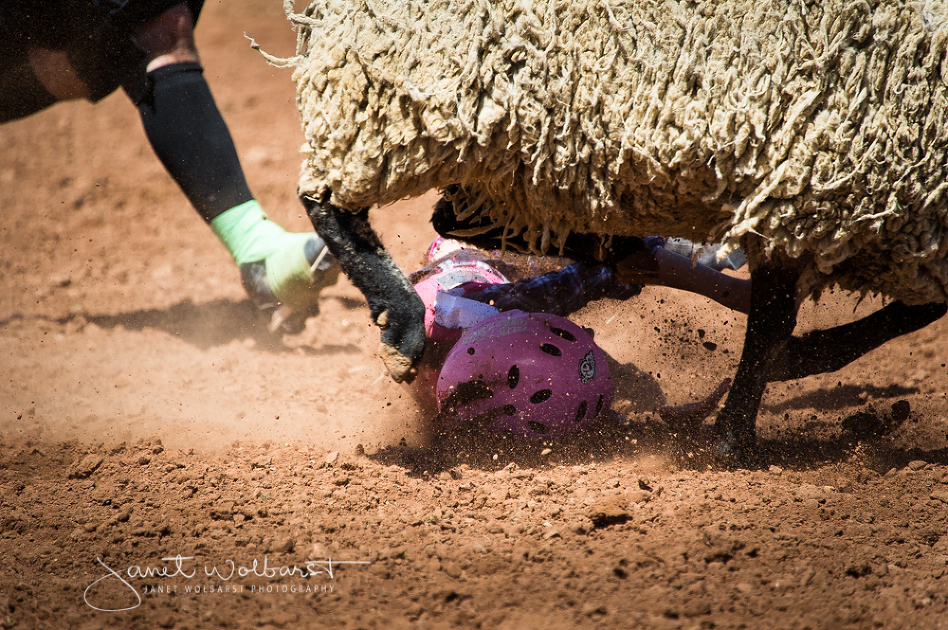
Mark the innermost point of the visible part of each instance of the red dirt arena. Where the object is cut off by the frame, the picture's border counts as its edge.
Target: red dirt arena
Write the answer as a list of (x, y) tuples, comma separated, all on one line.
[(165, 463)]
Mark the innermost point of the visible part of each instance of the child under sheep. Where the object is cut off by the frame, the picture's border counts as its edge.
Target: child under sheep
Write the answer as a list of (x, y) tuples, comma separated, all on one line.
[(811, 134)]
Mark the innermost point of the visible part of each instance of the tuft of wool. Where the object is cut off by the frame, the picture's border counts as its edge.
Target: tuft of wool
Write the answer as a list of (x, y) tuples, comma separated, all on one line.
[(820, 126)]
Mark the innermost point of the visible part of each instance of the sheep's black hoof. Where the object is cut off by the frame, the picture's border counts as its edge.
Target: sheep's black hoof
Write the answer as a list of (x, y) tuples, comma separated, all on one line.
[(402, 369), (403, 336)]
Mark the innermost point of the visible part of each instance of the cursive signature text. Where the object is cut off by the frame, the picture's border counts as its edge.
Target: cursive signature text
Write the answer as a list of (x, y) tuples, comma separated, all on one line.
[(184, 568)]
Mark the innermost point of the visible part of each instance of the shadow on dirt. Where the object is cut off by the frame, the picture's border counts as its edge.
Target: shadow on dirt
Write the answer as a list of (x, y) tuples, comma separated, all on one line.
[(840, 397), (206, 325), (865, 434), (203, 325)]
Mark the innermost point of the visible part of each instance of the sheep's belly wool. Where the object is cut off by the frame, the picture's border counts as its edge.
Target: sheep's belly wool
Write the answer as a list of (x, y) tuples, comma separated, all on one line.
[(820, 126)]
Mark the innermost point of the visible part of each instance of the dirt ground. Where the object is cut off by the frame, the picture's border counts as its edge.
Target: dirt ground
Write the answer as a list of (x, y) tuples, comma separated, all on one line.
[(163, 462)]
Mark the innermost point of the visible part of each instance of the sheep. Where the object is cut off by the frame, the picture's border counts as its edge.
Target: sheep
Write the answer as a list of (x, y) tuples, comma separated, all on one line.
[(811, 134)]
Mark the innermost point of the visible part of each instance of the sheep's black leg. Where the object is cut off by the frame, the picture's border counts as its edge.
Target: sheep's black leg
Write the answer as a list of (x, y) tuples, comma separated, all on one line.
[(770, 323), (394, 304), (831, 349)]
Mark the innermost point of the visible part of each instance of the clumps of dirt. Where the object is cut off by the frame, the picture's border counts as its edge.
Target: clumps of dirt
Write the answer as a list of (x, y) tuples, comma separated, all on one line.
[(291, 536)]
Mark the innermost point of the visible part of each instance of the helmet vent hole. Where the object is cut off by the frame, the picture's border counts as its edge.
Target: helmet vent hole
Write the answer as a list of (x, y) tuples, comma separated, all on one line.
[(565, 334), (538, 427), (551, 350), (513, 377), (581, 412), (541, 396), (598, 405)]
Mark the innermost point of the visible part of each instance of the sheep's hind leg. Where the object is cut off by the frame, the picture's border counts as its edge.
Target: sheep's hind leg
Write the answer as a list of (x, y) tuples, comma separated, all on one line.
[(770, 323), (393, 302), (828, 350)]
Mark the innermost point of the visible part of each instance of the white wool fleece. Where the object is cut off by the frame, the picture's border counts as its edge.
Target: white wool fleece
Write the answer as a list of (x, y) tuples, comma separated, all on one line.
[(822, 126)]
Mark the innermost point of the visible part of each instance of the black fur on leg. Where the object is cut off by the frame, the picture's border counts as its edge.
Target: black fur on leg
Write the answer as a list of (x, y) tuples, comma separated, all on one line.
[(828, 350), (393, 302), (591, 249), (770, 323)]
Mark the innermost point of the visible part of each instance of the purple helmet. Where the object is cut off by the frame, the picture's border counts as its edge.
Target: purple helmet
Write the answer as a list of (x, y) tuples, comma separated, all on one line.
[(533, 374)]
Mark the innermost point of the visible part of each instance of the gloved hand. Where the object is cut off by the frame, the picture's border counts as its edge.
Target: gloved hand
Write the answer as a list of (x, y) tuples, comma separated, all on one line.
[(289, 280)]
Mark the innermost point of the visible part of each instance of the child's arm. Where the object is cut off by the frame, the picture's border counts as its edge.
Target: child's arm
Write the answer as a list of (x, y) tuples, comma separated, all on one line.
[(569, 289), (673, 270), (678, 272)]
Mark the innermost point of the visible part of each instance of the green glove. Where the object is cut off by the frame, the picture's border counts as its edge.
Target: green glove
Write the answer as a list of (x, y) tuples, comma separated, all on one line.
[(251, 237)]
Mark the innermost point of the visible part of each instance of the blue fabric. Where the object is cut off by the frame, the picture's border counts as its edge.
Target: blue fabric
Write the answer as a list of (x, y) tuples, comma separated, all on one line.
[(558, 292)]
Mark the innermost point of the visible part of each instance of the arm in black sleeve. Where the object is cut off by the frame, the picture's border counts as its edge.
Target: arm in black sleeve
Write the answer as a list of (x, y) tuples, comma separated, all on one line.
[(191, 139)]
